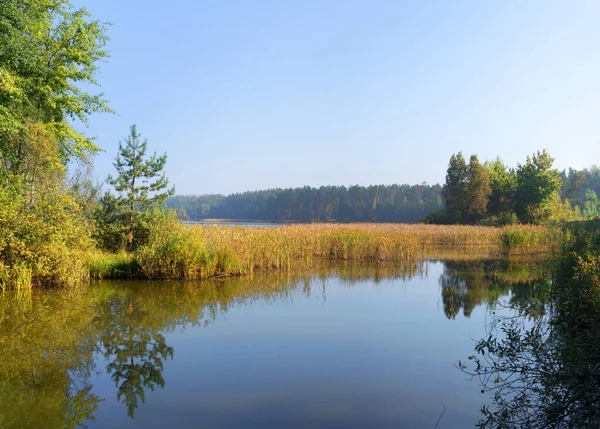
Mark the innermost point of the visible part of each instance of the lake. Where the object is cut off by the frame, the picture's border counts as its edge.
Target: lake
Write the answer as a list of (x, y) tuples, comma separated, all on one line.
[(345, 346)]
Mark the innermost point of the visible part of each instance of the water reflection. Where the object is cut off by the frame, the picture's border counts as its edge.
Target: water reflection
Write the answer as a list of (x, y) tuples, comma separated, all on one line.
[(542, 365), (46, 358), (134, 348), (48, 343), (468, 284)]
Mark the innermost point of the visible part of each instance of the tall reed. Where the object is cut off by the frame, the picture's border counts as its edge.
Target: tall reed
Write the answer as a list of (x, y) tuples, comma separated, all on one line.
[(183, 251)]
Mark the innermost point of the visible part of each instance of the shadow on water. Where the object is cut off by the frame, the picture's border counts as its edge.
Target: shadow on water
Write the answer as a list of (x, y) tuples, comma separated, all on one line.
[(50, 341)]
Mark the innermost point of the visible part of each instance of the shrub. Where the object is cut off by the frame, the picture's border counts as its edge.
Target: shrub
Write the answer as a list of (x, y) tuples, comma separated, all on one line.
[(44, 237)]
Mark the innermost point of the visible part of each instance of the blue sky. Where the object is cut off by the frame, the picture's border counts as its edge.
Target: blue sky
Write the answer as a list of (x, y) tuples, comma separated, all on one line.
[(246, 95)]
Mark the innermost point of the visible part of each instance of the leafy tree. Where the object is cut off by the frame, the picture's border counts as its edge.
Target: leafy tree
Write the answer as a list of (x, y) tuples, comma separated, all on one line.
[(47, 48), (141, 185), (561, 210), (478, 190), (455, 188), (591, 208), (503, 183), (537, 184)]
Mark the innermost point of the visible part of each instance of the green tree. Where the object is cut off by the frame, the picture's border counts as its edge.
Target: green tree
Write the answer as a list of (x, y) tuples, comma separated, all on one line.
[(47, 48), (537, 184), (141, 185), (454, 191), (478, 191), (591, 207), (503, 183)]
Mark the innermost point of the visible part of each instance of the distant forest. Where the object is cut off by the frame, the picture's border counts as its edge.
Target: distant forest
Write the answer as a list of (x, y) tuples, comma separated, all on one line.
[(581, 186), (383, 203), (391, 203)]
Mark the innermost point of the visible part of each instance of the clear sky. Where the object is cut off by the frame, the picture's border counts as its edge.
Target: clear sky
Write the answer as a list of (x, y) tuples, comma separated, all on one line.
[(247, 95)]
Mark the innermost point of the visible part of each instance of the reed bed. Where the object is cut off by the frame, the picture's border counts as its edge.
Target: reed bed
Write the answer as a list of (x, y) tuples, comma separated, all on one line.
[(110, 265), (178, 251)]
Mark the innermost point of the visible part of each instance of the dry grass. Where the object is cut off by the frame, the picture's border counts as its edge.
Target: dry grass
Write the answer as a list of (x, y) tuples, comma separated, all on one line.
[(195, 251)]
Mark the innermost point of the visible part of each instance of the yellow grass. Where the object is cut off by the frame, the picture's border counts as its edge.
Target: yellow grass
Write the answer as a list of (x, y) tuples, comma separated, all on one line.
[(195, 251)]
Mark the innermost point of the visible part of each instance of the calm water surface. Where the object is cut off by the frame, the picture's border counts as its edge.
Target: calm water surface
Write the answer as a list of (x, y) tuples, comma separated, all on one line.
[(350, 347)]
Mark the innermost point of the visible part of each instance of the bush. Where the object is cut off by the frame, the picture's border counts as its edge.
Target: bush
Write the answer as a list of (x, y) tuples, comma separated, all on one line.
[(44, 237), (174, 250), (503, 219), (437, 217)]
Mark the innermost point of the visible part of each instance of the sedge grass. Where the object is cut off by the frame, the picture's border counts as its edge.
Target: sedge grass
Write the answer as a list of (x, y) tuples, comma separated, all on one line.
[(183, 251)]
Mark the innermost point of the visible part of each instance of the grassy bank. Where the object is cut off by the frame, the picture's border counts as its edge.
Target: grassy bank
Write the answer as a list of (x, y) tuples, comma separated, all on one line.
[(183, 251)]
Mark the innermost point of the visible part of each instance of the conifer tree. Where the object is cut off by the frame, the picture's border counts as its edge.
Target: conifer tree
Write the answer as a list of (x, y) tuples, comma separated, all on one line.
[(141, 186)]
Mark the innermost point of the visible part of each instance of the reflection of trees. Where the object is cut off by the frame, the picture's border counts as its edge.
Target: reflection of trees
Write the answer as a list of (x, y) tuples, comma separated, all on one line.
[(546, 372), (47, 343), (134, 349), (467, 284), (46, 351)]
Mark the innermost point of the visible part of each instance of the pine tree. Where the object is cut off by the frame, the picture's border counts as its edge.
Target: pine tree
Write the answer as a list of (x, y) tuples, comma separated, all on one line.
[(141, 185)]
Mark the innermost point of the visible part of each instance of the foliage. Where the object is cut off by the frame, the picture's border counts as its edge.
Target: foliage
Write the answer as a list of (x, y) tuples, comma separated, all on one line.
[(437, 217), (537, 184), (43, 241), (141, 185), (478, 191), (47, 48), (561, 210), (455, 189), (493, 194), (591, 207), (577, 183), (502, 219), (466, 191), (503, 184), (545, 374)]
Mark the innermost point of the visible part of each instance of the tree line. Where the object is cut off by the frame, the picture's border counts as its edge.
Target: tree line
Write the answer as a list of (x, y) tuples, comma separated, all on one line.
[(488, 193), (534, 192), (392, 203)]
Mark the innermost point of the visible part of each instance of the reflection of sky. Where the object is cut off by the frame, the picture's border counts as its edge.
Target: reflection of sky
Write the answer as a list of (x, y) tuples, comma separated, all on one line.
[(369, 355)]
